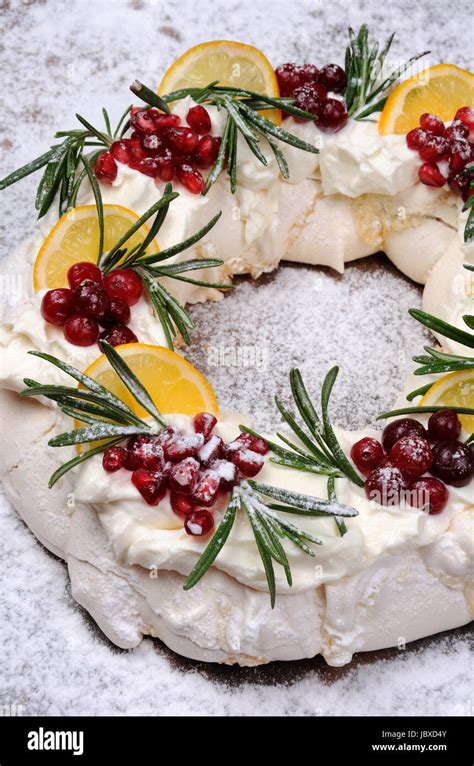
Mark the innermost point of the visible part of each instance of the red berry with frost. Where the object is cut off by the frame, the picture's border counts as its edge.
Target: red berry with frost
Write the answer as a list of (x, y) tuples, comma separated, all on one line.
[(247, 461), (289, 76), (429, 495), (333, 116), (81, 271), (211, 450), (367, 454), (136, 150), (180, 447), (434, 149), (227, 472), (444, 425), (205, 153), (118, 335), (453, 463), (199, 523), (249, 441), (430, 175), (206, 488), (149, 166), (309, 73), (150, 485), (120, 150), (310, 98), (385, 486), (166, 436), (124, 284), (461, 153), (105, 168), (117, 313), (181, 504), (184, 475), (466, 116), (190, 178), (153, 144), (333, 77), (91, 299), (416, 138), (204, 423), (181, 140), (432, 124), (81, 331), (145, 452), (114, 459), (143, 120), (199, 120), (401, 427), (412, 455), (57, 305), (165, 121), (456, 130), (459, 183)]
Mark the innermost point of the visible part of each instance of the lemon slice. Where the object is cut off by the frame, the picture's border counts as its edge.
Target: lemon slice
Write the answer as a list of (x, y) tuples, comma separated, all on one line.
[(172, 382), (456, 389), (234, 64), (440, 90), (75, 238)]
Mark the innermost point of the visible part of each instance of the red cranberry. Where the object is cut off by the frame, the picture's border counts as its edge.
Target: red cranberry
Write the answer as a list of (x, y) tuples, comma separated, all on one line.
[(290, 77), (165, 164), (57, 305), (206, 489), (311, 98), (199, 523), (81, 331), (165, 121), (248, 462), (385, 486), (444, 425), (117, 313), (333, 77), (184, 475), (120, 150), (429, 495), (205, 153), (401, 427), (333, 117), (119, 335), (149, 166), (190, 178), (180, 447), (461, 154), (432, 124), (142, 120), (456, 130), (210, 450), (153, 144), (430, 175), (309, 72), (124, 284), (181, 504), (145, 452), (416, 138), (150, 485), (199, 120), (367, 454), (466, 116), (412, 455), (453, 462), (249, 441), (227, 472), (105, 168), (114, 458), (82, 271), (204, 423), (91, 299)]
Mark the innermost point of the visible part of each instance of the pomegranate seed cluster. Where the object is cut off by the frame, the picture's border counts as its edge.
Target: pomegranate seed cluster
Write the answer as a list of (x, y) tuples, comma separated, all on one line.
[(94, 301), (195, 468), (446, 151), (396, 468), (311, 88), (162, 148)]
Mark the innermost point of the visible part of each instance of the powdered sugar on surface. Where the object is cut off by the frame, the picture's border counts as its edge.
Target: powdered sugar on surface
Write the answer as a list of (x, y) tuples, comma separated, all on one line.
[(79, 56)]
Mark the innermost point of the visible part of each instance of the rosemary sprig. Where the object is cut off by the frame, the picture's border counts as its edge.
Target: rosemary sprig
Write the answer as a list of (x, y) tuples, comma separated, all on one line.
[(268, 527)]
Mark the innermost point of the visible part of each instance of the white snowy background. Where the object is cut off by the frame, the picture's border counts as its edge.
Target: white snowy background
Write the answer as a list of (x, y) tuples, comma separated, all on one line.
[(57, 58)]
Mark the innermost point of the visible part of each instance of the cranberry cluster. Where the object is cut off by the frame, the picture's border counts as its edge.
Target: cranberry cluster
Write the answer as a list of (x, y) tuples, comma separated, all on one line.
[(195, 468), (92, 300), (395, 469), (310, 87), (161, 147), (445, 151)]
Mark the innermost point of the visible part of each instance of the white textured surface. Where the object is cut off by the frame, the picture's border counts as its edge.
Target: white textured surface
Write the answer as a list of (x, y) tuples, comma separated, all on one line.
[(54, 660)]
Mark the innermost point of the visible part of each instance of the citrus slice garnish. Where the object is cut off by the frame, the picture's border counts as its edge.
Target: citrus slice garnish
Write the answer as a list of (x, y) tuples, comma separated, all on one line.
[(75, 238), (440, 90), (456, 389), (233, 64), (172, 382)]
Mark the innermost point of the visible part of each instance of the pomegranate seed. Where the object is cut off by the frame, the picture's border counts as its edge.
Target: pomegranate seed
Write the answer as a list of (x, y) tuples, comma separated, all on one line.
[(199, 120), (124, 284), (434, 149), (227, 472), (165, 436), (461, 154), (444, 425), (248, 441), (290, 77), (210, 450), (82, 271), (117, 313), (91, 299), (190, 178), (311, 97), (205, 153), (136, 149), (466, 116), (105, 168), (453, 462), (367, 454), (114, 458), (119, 335), (206, 489), (145, 452), (401, 427), (248, 462), (153, 144), (184, 475), (333, 117), (333, 77), (181, 140), (57, 305), (412, 455), (385, 486), (204, 422), (181, 504), (430, 175), (120, 150), (150, 485), (432, 124), (309, 72), (459, 183), (183, 446), (165, 165), (143, 120), (199, 523), (81, 331), (148, 166), (456, 130), (416, 138), (429, 495), (165, 121)]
